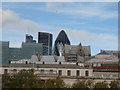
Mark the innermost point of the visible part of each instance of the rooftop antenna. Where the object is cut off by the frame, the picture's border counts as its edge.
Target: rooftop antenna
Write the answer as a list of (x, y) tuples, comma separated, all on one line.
[(28, 30)]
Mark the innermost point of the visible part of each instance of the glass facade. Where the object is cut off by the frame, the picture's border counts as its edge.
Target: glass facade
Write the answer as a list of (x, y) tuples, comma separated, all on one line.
[(5, 52), (46, 39), (28, 49), (61, 39), (0, 53), (15, 54), (25, 52)]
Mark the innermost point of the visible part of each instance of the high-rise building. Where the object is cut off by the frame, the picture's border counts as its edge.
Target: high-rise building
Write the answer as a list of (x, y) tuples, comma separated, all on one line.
[(60, 42), (46, 39), (14, 54), (5, 52), (28, 49), (29, 39)]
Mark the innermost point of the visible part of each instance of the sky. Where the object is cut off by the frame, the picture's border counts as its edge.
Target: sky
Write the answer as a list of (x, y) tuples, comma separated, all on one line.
[(89, 23)]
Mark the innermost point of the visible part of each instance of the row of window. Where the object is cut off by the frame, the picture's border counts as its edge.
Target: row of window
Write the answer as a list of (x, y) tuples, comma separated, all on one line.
[(59, 72), (69, 73)]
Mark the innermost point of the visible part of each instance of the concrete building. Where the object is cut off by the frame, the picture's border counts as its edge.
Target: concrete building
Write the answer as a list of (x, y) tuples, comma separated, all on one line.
[(51, 70)]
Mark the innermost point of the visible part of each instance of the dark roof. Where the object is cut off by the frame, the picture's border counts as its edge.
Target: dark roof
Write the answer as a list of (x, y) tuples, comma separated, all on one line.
[(103, 53)]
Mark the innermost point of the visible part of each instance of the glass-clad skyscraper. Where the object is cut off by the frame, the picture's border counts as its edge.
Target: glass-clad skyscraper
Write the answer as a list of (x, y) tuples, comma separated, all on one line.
[(46, 39), (28, 49), (5, 52), (60, 42)]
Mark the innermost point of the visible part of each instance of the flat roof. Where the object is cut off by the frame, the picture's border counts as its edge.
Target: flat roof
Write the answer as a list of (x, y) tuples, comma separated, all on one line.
[(72, 66)]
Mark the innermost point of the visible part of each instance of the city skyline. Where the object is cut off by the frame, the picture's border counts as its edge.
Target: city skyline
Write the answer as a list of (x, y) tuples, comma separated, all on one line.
[(96, 26)]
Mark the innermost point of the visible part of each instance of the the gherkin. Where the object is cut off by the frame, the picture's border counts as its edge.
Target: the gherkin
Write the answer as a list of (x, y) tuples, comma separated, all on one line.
[(60, 41)]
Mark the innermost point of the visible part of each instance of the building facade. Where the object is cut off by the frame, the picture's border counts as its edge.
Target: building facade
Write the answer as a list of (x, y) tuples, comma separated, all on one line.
[(113, 52), (28, 49), (60, 42), (29, 39), (77, 53), (46, 39), (105, 65), (15, 54), (55, 70), (5, 52)]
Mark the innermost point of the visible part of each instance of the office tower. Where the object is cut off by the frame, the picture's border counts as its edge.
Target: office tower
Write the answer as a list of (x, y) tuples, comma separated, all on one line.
[(60, 42), (4, 47), (14, 54), (28, 49), (46, 39), (29, 39)]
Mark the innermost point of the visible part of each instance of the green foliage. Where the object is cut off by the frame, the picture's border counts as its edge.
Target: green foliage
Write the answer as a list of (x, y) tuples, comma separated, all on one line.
[(22, 79), (89, 83), (27, 79), (115, 84), (79, 84), (55, 83), (103, 84)]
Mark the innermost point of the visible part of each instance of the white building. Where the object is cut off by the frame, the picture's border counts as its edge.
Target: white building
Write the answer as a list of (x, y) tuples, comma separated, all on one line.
[(51, 70)]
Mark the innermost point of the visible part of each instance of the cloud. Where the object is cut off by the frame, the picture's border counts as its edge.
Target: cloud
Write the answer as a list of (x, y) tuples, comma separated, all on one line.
[(98, 41), (12, 21), (14, 27), (82, 10)]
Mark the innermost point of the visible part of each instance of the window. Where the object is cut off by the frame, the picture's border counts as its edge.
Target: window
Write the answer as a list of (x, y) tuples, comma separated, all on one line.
[(60, 72), (51, 71), (5, 71), (68, 73), (77, 73), (42, 71), (86, 73)]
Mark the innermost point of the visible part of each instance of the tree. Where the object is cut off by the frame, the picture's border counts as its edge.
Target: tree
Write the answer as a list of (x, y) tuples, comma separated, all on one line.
[(79, 84), (59, 83), (55, 83), (6, 78), (103, 84), (89, 83), (114, 84), (22, 79)]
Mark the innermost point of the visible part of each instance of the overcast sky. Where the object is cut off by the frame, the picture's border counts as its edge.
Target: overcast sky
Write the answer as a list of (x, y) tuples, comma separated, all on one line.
[(91, 23)]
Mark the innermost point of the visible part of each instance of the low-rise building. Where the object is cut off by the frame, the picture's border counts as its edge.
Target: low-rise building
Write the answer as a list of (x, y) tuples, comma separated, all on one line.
[(105, 65), (51, 70), (77, 53)]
